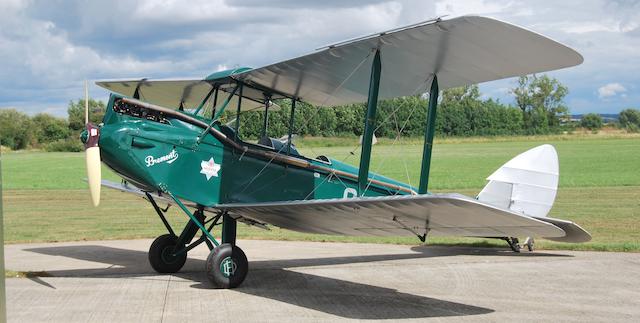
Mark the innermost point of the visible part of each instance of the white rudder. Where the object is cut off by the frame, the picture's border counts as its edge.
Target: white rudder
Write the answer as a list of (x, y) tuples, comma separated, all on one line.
[(526, 184)]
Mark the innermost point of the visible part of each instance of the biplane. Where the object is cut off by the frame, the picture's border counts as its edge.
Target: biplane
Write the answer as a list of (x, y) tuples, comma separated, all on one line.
[(169, 148)]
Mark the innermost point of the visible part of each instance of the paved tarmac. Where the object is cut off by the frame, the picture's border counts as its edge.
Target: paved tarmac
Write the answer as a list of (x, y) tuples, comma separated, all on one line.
[(111, 281)]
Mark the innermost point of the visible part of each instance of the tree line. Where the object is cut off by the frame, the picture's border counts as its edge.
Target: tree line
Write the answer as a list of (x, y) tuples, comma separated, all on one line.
[(462, 112), (44, 131), (539, 109)]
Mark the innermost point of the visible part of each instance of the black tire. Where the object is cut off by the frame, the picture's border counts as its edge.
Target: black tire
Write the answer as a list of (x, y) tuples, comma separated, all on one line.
[(160, 255), (226, 266), (530, 244)]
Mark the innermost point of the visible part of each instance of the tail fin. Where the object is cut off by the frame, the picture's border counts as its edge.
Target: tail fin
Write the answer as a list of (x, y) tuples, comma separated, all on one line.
[(526, 184)]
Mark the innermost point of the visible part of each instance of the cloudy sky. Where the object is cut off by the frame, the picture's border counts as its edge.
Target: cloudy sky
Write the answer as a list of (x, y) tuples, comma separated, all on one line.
[(47, 48)]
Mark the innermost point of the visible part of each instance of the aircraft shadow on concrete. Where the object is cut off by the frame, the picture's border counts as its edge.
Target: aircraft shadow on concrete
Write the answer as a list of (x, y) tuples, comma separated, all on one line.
[(271, 279)]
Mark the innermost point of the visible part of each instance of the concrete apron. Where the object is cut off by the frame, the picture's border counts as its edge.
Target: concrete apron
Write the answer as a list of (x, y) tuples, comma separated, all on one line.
[(305, 281)]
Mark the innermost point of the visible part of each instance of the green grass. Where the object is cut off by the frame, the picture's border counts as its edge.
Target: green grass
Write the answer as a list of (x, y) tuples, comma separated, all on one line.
[(583, 163), (45, 198), (459, 165), (41, 170)]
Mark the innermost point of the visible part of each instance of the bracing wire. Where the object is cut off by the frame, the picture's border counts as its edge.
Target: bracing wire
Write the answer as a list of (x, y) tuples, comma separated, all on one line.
[(398, 134), (393, 114), (397, 137), (346, 79), (392, 144), (374, 130), (311, 118), (262, 170)]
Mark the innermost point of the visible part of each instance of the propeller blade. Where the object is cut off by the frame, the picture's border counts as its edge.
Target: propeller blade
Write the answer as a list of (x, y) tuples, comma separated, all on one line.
[(92, 152), (86, 102), (94, 173)]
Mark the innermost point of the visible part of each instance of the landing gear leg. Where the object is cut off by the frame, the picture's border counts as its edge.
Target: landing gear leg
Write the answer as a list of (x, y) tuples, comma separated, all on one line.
[(514, 244), (227, 265), (168, 253)]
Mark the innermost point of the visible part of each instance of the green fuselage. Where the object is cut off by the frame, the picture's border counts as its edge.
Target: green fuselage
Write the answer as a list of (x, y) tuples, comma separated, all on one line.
[(160, 152)]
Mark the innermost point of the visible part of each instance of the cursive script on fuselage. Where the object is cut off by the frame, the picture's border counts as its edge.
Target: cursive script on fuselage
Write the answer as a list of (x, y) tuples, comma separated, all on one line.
[(168, 158)]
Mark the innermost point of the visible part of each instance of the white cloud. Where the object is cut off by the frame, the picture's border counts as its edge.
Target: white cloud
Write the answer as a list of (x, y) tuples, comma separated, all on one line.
[(173, 11), (482, 7), (610, 90)]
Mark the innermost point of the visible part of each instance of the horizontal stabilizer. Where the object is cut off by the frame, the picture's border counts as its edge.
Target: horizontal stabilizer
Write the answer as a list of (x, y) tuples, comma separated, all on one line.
[(575, 233)]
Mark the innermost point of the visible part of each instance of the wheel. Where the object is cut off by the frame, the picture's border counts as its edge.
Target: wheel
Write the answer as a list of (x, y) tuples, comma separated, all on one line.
[(161, 255), (226, 266), (514, 244), (529, 244)]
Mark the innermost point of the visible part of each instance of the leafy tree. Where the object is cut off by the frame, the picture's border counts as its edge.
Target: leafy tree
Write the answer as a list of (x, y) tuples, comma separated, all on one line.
[(630, 119), (461, 112), (404, 116), (76, 113), (456, 111), (538, 95), (468, 95), (349, 119), (16, 129), (49, 128), (591, 121)]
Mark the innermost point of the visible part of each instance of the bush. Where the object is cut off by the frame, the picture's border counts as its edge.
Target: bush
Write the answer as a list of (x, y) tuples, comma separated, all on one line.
[(75, 111), (630, 119), (49, 128), (68, 144), (633, 128), (591, 121), (16, 129)]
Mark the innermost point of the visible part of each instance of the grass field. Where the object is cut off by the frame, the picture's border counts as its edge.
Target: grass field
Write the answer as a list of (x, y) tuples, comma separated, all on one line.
[(45, 198)]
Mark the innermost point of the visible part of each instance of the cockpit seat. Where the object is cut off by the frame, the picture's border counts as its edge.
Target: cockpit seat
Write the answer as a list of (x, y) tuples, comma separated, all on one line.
[(228, 131), (266, 141)]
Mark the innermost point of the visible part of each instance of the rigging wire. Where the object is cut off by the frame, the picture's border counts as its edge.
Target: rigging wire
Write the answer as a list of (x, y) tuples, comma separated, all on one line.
[(356, 147), (392, 144), (398, 136), (317, 110), (393, 113), (311, 118), (351, 153), (262, 170)]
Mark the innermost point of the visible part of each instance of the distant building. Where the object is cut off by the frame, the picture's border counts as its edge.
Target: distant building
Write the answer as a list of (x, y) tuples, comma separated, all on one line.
[(606, 117)]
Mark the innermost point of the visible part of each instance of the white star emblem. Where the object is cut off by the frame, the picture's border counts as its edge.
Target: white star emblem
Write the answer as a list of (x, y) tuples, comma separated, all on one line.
[(209, 168)]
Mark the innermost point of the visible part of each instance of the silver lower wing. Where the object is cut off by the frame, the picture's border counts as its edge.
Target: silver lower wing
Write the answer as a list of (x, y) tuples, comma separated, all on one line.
[(437, 214)]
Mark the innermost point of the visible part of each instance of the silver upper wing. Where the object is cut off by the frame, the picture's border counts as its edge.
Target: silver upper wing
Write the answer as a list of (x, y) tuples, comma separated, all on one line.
[(188, 93), (461, 51)]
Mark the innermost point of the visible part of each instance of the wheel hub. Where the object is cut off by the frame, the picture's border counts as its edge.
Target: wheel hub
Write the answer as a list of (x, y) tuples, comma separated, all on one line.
[(228, 267), (168, 255)]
